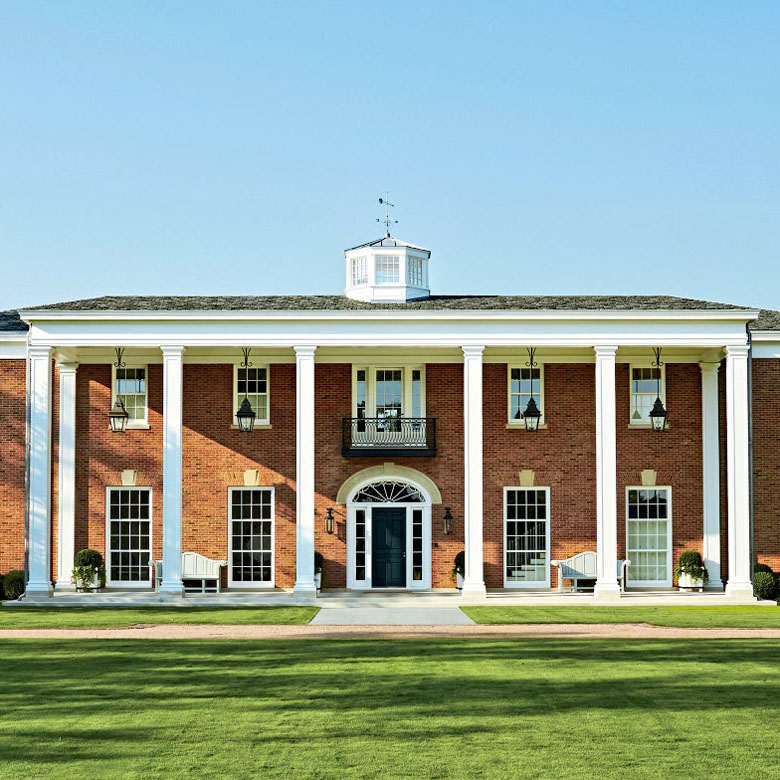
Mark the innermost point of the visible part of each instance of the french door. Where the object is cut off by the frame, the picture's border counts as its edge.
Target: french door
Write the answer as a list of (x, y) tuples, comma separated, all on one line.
[(129, 536), (649, 536)]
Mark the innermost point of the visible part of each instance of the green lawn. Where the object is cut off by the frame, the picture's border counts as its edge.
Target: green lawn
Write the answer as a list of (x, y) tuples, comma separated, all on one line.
[(360, 708), (682, 616), (118, 617)]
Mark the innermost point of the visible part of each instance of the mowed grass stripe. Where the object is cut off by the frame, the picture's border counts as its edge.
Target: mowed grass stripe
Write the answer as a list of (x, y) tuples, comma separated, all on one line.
[(120, 617), (334, 708), (749, 616)]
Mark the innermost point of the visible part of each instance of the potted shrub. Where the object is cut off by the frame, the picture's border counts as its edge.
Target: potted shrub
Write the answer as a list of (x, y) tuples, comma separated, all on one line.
[(89, 573), (459, 569), (690, 571), (13, 584), (319, 567)]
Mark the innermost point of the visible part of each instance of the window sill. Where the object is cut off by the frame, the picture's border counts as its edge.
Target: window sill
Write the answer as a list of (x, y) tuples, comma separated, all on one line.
[(521, 427), (645, 426), (257, 427), (136, 427)]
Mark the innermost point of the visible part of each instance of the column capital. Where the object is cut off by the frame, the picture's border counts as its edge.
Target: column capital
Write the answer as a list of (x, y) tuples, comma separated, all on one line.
[(172, 350), (709, 368), (40, 350), (472, 351), (737, 350), (304, 350), (67, 367), (605, 350)]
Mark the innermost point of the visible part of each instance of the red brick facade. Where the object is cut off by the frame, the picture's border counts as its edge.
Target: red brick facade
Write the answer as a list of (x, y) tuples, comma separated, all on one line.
[(215, 456)]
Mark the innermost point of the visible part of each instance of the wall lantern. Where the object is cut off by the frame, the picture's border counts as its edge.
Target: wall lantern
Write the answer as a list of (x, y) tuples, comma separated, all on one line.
[(447, 523), (531, 414), (246, 414), (118, 415), (658, 413), (329, 522)]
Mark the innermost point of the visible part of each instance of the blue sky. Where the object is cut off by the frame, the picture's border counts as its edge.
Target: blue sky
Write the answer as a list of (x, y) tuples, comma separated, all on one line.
[(231, 147)]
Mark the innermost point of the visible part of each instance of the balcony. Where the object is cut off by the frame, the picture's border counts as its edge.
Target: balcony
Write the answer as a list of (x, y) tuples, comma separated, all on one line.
[(413, 437)]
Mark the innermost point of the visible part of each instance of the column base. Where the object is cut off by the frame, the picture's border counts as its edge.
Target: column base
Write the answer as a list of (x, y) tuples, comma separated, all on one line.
[(473, 590), (740, 591), (65, 586), (38, 591), (607, 591), (172, 590), (304, 592), (715, 585)]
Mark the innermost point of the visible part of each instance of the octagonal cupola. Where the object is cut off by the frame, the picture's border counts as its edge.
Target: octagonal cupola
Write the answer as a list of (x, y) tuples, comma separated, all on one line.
[(387, 271)]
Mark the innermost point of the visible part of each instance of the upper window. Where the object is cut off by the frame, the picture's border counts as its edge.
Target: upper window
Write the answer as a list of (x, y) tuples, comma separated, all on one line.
[(644, 391), (388, 392), (414, 271), (359, 271), (252, 383), (387, 269), (524, 384), (130, 388)]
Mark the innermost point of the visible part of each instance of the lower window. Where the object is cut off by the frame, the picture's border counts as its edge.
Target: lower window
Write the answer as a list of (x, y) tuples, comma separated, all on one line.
[(527, 536), (649, 535), (252, 536), (129, 534)]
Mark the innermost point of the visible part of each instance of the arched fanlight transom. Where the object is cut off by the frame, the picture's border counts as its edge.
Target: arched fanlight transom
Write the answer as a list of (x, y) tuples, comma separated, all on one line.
[(389, 491)]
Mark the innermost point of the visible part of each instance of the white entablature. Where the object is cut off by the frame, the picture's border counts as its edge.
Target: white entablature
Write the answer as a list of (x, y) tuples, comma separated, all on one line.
[(387, 271)]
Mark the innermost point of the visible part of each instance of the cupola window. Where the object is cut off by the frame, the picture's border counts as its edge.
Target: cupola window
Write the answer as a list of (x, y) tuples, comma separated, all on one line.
[(415, 271), (359, 271), (387, 269)]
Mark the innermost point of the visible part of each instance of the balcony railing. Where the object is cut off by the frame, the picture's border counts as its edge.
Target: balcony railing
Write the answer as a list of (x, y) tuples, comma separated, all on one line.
[(383, 436)]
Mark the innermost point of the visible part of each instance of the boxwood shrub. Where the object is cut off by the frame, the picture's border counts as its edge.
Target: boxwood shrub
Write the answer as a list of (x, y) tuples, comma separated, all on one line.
[(764, 585), (13, 584)]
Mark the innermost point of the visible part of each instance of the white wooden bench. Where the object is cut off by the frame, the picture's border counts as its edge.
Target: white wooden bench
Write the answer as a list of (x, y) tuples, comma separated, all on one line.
[(194, 566), (582, 566)]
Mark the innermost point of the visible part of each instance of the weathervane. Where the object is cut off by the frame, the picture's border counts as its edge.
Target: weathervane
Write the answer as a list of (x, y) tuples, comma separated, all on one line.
[(387, 220)]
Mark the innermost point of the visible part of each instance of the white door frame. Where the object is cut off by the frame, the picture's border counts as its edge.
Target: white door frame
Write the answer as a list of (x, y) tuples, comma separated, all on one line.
[(427, 540), (666, 583)]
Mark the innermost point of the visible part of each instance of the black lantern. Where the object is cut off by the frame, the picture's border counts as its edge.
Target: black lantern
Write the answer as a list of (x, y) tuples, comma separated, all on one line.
[(531, 415), (658, 413), (447, 522), (246, 416), (329, 523), (118, 417)]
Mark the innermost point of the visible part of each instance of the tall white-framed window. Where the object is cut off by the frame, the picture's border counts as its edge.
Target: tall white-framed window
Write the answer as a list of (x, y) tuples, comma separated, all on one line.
[(524, 383), (129, 385), (128, 536), (359, 271), (649, 536), (387, 269), (388, 391), (414, 271), (254, 382), (251, 537), (643, 392), (526, 537)]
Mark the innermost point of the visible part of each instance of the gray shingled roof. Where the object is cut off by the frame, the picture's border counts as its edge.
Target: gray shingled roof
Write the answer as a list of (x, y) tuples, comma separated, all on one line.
[(9, 320), (340, 302), (389, 241)]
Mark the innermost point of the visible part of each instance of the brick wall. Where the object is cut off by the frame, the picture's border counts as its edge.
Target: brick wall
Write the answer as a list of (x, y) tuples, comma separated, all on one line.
[(12, 442), (766, 461)]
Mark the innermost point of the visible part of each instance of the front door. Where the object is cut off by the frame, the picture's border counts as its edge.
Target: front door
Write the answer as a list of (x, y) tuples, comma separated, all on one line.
[(388, 547)]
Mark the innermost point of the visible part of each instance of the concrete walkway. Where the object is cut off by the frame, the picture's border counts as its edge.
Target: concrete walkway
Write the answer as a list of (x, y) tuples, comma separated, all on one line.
[(391, 616)]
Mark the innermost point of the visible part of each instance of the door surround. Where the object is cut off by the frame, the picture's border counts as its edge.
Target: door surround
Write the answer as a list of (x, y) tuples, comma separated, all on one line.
[(418, 501)]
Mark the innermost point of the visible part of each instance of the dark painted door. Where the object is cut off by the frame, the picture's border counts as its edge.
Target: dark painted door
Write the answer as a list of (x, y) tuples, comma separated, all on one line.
[(388, 547)]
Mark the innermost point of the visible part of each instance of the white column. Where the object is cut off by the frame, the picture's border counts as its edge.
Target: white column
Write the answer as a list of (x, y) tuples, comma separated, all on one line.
[(39, 540), (66, 486), (710, 472), (606, 475), (171, 584), (304, 488), (474, 582), (739, 585)]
